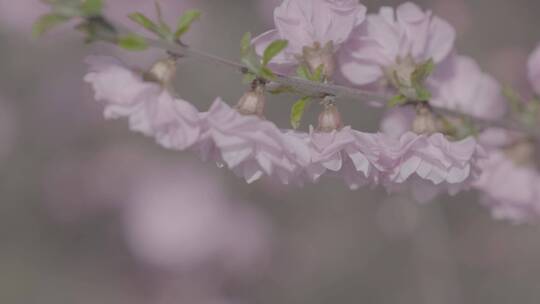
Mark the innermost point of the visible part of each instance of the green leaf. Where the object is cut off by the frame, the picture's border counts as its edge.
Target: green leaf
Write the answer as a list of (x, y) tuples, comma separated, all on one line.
[(47, 22), (297, 111), (245, 44), (273, 49), (318, 75), (397, 100), (252, 62), (92, 7), (266, 73), (133, 42), (185, 22), (423, 94), (145, 22), (162, 24), (303, 72), (422, 72), (249, 78), (249, 57)]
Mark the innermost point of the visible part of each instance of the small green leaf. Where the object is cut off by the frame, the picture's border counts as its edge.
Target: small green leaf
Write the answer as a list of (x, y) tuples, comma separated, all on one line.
[(245, 44), (273, 49), (423, 94), (422, 72), (318, 75), (303, 72), (252, 62), (266, 73), (92, 7), (297, 111), (185, 22), (133, 42), (249, 78), (47, 22), (162, 24), (145, 22), (397, 100)]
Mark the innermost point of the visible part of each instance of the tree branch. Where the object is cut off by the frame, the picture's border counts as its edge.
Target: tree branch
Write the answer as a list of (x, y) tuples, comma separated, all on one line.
[(321, 89)]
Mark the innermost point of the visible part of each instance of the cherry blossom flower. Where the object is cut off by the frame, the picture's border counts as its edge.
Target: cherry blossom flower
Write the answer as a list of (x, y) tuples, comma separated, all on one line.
[(315, 29), (394, 41), (465, 88), (510, 180), (427, 163), (339, 154), (150, 108), (337, 151), (253, 147), (510, 190)]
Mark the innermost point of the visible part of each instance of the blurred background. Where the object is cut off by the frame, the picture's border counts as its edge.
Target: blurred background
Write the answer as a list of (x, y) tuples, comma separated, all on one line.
[(92, 213)]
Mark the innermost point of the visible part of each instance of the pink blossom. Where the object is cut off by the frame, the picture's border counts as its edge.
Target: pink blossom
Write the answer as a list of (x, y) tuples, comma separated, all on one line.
[(150, 108), (253, 147), (407, 32), (465, 88), (511, 191), (533, 67), (179, 218), (307, 23), (20, 15), (340, 153), (428, 164)]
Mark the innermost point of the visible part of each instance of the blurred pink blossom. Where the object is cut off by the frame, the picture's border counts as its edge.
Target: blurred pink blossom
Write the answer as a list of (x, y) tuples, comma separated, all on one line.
[(20, 15), (510, 190), (465, 88), (180, 219)]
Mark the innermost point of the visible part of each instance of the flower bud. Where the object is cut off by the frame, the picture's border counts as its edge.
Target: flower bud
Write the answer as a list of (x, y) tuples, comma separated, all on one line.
[(424, 122), (316, 56), (162, 72), (400, 76), (522, 152), (329, 119), (252, 102)]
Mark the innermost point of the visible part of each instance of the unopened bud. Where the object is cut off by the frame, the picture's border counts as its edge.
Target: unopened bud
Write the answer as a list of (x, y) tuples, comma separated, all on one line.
[(252, 102), (329, 119), (424, 122), (162, 72), (316, 56)]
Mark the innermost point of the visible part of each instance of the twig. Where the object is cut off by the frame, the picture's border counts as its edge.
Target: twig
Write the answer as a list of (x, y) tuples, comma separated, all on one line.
[(321, 89)]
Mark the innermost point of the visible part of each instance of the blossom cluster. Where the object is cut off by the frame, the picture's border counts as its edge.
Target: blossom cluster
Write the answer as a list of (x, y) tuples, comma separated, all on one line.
[(403, 51)]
